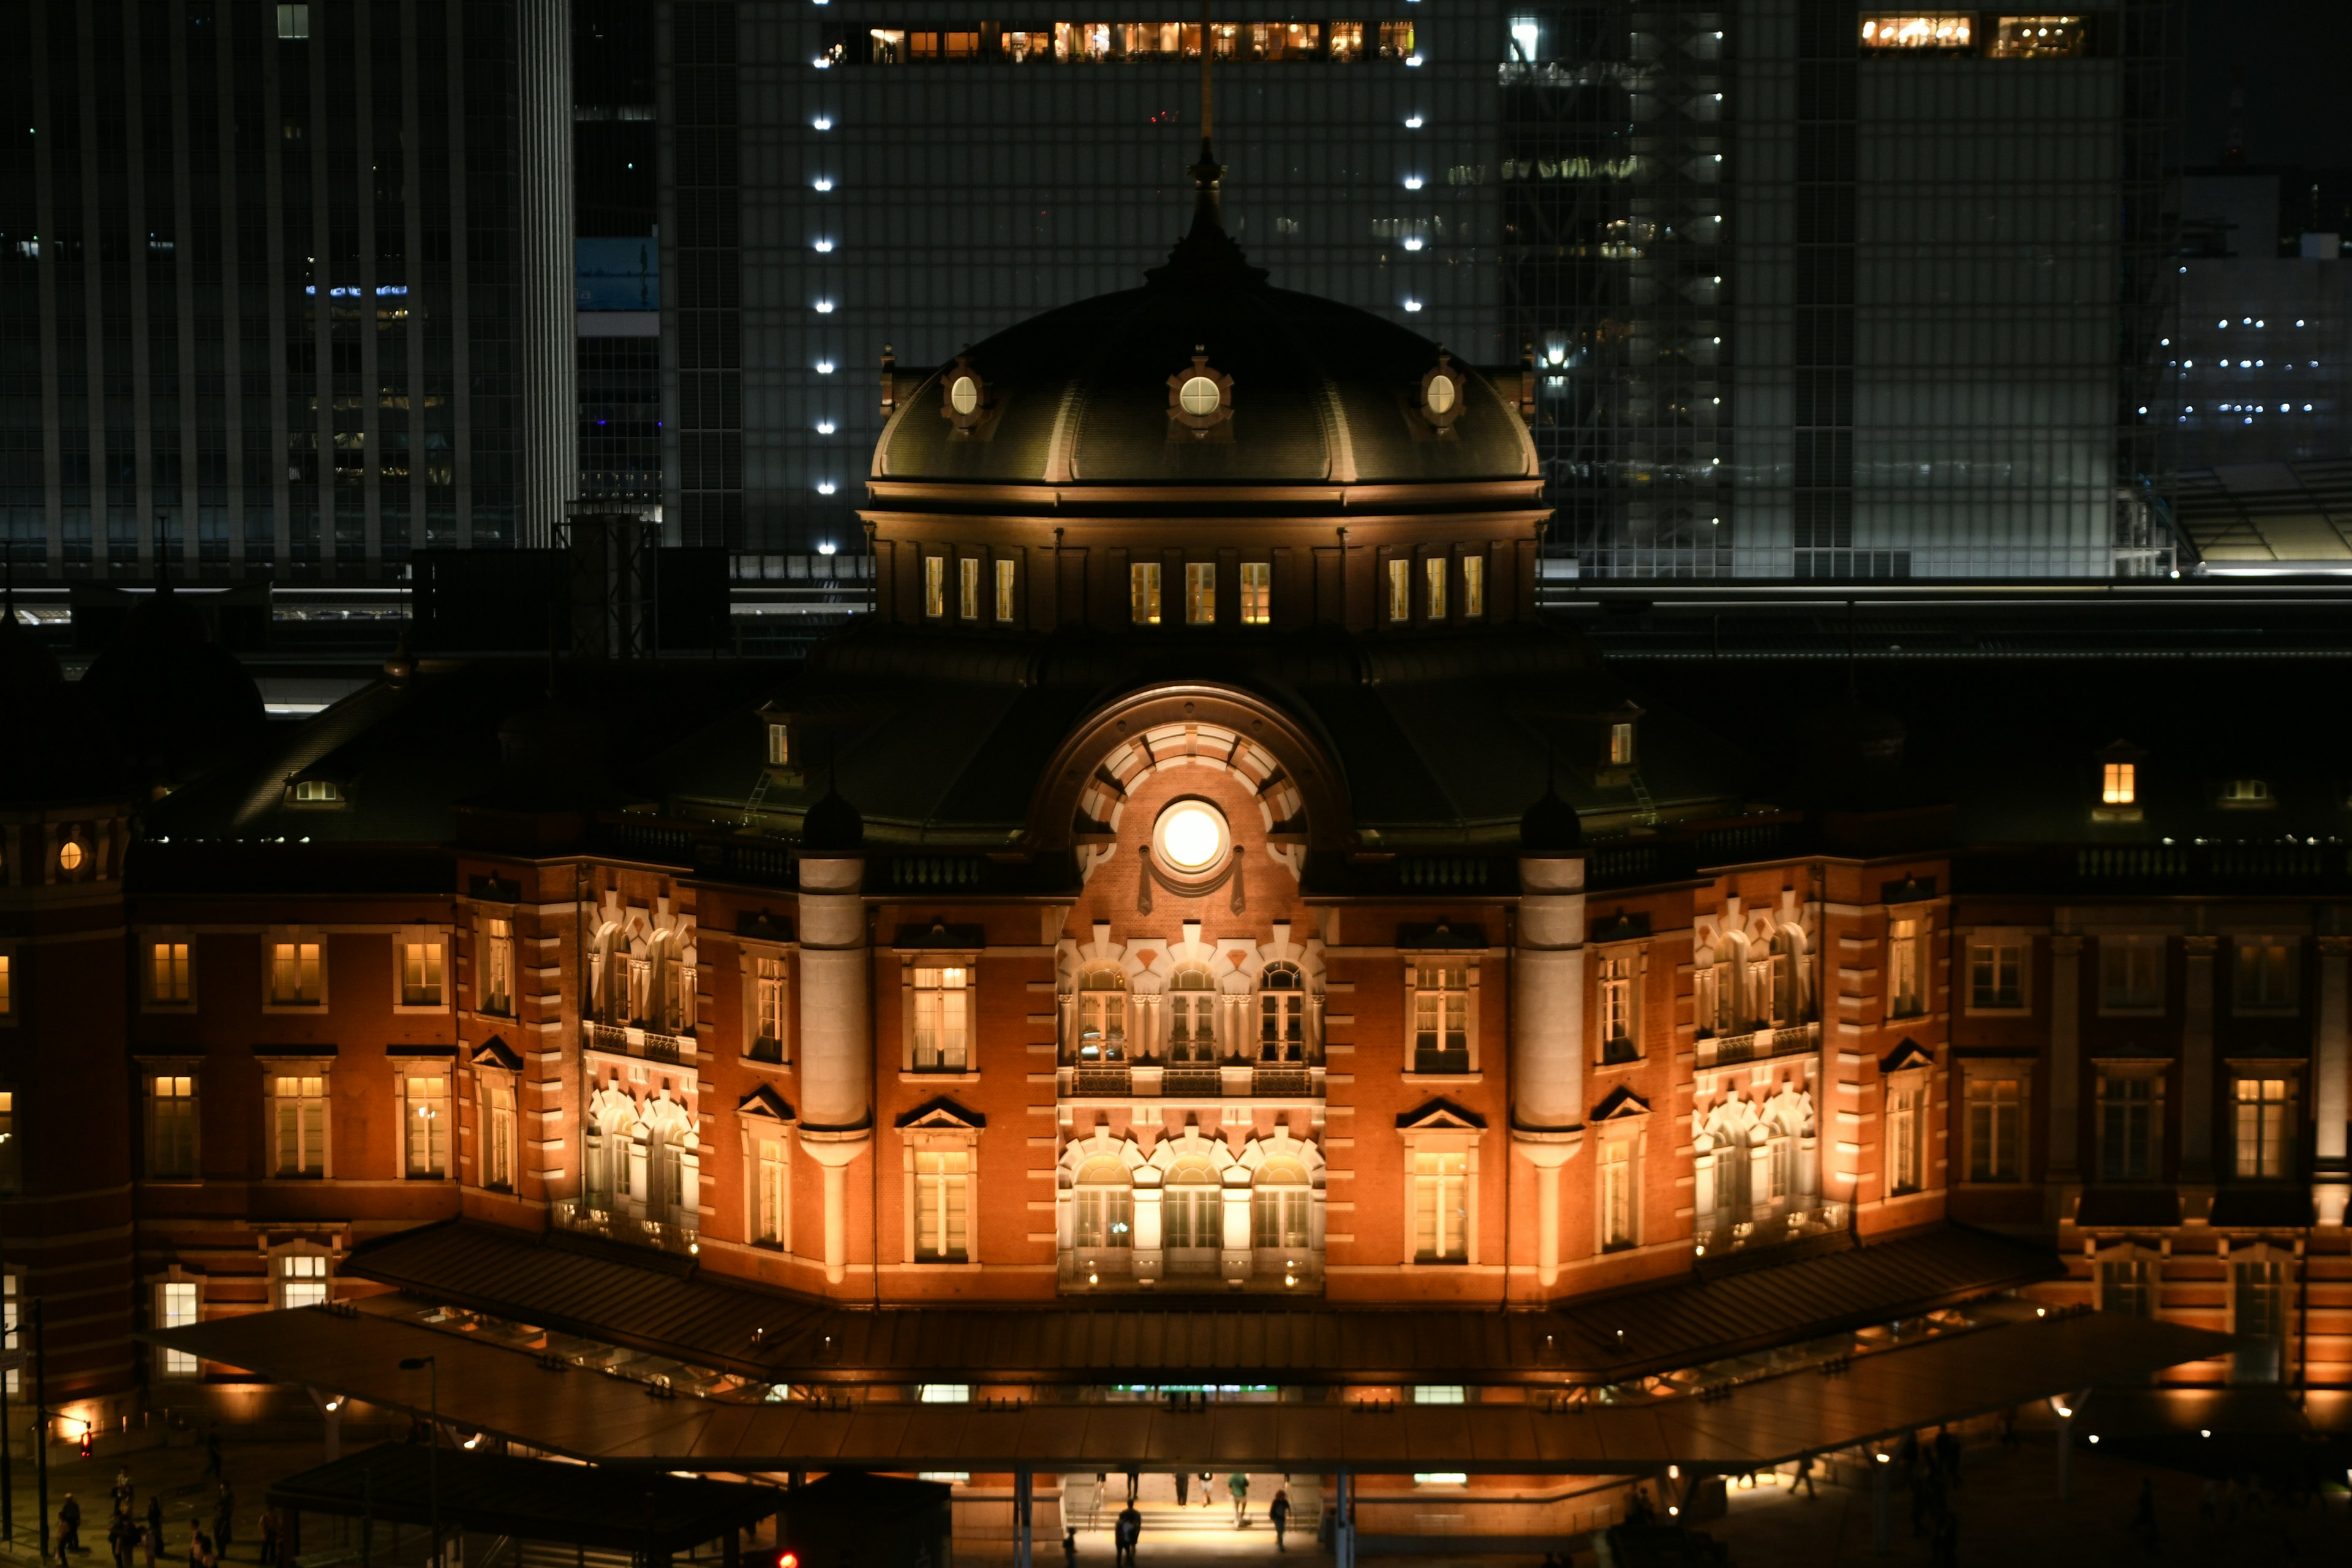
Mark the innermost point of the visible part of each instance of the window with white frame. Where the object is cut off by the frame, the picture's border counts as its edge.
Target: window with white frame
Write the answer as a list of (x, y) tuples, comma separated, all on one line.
[(1441, 1017), (298, 1124), (1192, 1016), (1102, 1016), (1192, 1207), (935, 586), (1616, 1161), (498, 1133), (1906, 1103), (2119, 784), (176, 1307), (1433, 569), (1441, 1209), (2130, 1105), (968, 588), (768, 1016), (1906, 994), (1257, 593), (1995, 1117), (424, 1103), (2128, 1284), (496, 989), (2264, 1108), (1615, 1013), (2265, 973), (303, 1280), (944, 1392), (1102, 1202), (1281, 1205), (780, 743), (1281, 1014), (420, 971), (1996, 973), (296, 973), (169, 981), (1621, 743), (1200, 593), (2131, 973), (1474, 587), (943, 1018), (768, 1211), (942, 1206), (1400, 591), (1005, 583), (171, 1126), (1143, 594)]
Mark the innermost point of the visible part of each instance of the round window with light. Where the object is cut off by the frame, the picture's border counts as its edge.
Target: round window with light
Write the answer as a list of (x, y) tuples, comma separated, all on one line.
[(69, 856), (1440, 395), (963, 396), (1199, 397), (1191, 839)]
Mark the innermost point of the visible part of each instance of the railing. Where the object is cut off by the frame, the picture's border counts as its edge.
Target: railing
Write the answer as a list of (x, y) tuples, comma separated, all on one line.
[(644, 1044), (1287, 1078), (936, 871), (1760, 1045), (1429, 1060), (1231, 1079), (1101, 1079), (1444, 871), (1197, 1079)]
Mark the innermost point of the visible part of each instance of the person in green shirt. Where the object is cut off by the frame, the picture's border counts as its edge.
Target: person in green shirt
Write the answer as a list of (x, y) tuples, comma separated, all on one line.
[(1238, 1485)]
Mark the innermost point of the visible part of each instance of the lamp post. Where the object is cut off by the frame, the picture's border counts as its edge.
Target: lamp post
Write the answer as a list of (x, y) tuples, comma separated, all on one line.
[(431, 1366)]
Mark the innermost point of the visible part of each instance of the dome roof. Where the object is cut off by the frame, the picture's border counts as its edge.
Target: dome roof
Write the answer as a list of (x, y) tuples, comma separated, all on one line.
[(1321, 393)]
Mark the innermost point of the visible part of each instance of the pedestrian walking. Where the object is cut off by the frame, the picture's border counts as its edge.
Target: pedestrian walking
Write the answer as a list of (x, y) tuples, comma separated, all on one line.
[(155, 1521), (122, 1489), (69, 1527), (268, 1538), (1278, 1513), (1237, 1486), (1124, 1535), (1070, 1547), (1208, 1488), (118, 1538), (148, 1545), (224, 1518), (1804, 1476), (1183, 1484)]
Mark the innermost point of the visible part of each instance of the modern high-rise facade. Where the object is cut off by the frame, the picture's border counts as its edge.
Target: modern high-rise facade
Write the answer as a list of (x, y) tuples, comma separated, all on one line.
[(286, 285)]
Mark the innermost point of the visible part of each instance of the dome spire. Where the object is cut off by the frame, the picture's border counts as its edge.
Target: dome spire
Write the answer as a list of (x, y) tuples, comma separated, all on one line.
[(1207, 254)]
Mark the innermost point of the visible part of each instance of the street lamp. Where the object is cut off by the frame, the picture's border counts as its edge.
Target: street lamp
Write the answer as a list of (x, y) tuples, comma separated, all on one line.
[(431, 1366)]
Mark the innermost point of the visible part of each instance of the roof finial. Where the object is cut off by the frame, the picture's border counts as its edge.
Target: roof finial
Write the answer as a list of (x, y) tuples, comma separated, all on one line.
[(1208, 46), (1207, 253)]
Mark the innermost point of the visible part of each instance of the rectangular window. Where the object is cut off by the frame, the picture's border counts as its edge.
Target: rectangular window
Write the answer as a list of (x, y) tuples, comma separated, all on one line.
[(11, 1147), (7, 985), (1441, 1214), (2127, 1128), (1931, 32), (2128, 1284), (426, 1116), (1620, 745), (942, 1196), (1005, 593), (294, 977), (779, 745), (316, 792), (2265, 1128), (1616, 1194), (2266, 975), (1400, 591), (944, 1392), (1905, 1113), (1616, 1010), (1439, 1394), (1347, 41), (942, 1019), (2119, 783), (1434, 569), (1200, 593), (1996, 1128), (297, 1126), (1996, 974), (420, 975), (294, 21), (1441, 1018), (2131, 973), (302, 1281), (768, 1196), (168, 980), (175, 1307), (1257, 593), (499, 1136), (1905, 996), (497, 987), (2259, 1294), (2039, 37), (1143, 592), (768, 1010), (1396, 40), (172, 1126), (1103, 1216), (1279, 1216), (1474, 587), (935, 586), (968, 588), (8, 1340)]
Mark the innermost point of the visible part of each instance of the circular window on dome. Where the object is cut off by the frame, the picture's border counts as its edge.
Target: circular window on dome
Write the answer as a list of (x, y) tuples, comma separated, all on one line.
[(69, 856), (1198, 399), (1442, 386), (1440, 395), (963, 397), (1190, 839)]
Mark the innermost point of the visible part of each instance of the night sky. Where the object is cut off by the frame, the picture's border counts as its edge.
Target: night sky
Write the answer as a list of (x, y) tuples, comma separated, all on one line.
[(2298, 107)]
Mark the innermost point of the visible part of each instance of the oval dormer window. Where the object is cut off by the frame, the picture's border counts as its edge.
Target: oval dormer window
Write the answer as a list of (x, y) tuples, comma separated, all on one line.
[(963, 396), (1200, 397), (1440, 395)]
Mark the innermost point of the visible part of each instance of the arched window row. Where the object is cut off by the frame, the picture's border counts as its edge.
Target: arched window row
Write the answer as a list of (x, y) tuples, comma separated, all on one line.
[(1196, 1019), (648, 982), (641, 1169), (1747, 983)]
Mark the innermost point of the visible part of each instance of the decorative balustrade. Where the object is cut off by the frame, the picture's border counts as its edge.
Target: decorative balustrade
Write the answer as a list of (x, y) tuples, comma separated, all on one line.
[(1759, 1045)]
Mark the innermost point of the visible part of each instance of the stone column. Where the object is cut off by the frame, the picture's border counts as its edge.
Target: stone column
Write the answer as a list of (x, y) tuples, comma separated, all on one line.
[(836, 1058), (2197, 1081), (1547, 1035), (2064, 1180), (2331, 1174)]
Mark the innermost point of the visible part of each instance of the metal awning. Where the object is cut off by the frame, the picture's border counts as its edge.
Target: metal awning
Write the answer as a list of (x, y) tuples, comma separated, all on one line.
[(512, 1395), (668, 1306)]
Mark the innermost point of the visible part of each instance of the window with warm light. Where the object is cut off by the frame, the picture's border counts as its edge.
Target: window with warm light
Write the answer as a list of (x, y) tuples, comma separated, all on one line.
[(1441, 1018), (779, 745), (12, 1166), (968, 588), (935, 586), (425, 1115), (1474, 587), (2127, 1286), (1004, 585), (1433, 569), (1906, 1150), (768, 1194), (1905, 991), (172, 1126), (1995, 1119), (1441, 1209), (1257, 593), (1400, 591), (1102, 1016), (1996, 974), (1620, 745), (942, 1019), (1281, 1008), (1281, 1205), (169, 982), (1190, 838), (175, 1307), (497, 988), (1143, 594), (499, 1136), (1200, 593), (2264, 1111), (942, 1198), (1192, 1016), (2119, 783), (298, 1125), (7, 985), (963, 396), (768, 1010), (294, 975), (1200, 397), (420, 974), (1102, 1212), (1616, 1165), (316, 792), (70, 854), (302, 1280), (1918, 32), (2039, 38), (1615, 1013)]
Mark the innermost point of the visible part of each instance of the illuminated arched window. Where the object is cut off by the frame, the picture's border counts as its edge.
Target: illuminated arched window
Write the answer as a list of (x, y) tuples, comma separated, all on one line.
[(1102, 1016), (1192, 1016), (1105, 1206), (1279, 1200), (1281, 1014)]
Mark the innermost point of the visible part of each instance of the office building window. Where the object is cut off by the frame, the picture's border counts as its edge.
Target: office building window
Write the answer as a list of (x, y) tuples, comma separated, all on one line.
[(171, 1126), (935, 586), (1005, 593), (942, 1201), (2119, 783), (1996, 1128), (497, 988), (169, 982), (302, 1280), (2128, 1284), (768, 1194), (1906, 994), (1996, 973), (1615, 1013), (1441, 1214), (297, 1126), (1474, 587), (1434, 570), (768, 1009), (2129, 1104), (1143, 592), (2264, 1108), (426, 1117), (2039, 38), (175, 1307), (499, 1136), (1200, 593), (1441, 1017), (2131, 973), (296, 978), (2265, 974), (1400, 591), (1906, 1115), (942, 1019), (1616, 1194), (1257, 593), (1929, 33), (420, 974), (293, 23)]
